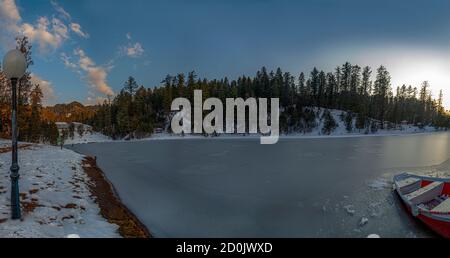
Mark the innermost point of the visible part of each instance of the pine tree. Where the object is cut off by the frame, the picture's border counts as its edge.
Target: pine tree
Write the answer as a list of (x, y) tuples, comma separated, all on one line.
[(331, 86), (366, 85), (329, 124), (34, 126), (382, 89), (130, 85), (80, 130), (71, 130), (302, 86), (314, 85), (191, 85), (348, 121), (168, 92), (440, 103), (24, 85), (321, 88)]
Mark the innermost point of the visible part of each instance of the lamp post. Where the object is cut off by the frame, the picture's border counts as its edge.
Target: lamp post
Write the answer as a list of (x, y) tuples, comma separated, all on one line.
[(14, 66)]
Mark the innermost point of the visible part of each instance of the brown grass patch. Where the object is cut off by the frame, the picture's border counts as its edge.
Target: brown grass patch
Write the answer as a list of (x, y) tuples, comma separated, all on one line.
[(29, 207), (33, 191), (21, 146), (23, 196), (110, 205), (71, 206)]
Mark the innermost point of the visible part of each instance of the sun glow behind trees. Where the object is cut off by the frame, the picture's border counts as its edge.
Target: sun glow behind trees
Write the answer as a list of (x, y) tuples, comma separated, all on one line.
[(409, 65), (414, 74)]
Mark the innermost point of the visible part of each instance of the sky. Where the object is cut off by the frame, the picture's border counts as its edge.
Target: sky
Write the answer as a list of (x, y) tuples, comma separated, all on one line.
[(84, 50)]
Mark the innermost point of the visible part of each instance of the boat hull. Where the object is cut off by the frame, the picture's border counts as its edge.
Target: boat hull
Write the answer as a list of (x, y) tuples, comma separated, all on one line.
[(440, 227), (439, 223)]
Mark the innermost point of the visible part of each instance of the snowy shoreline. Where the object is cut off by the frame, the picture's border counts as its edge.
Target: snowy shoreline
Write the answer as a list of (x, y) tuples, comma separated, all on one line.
[(55, 197), (171, 137), (282, 137), (63, 194), (318, 130)]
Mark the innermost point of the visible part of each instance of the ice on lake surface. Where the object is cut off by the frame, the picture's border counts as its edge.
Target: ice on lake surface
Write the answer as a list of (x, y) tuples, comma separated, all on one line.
[(336, 187)]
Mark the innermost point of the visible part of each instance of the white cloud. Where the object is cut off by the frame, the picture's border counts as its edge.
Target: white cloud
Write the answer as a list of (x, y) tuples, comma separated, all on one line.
[(68, 62), (46, 87), (9, 22), (9, 11), (96, 75), (135, 50), (75, 27), (60, 28), (95, 100), (47, 35), (97, 78), (65, 15)]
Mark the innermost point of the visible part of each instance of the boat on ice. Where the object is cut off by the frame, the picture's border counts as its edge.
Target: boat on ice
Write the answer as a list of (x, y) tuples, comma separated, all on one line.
[(427, 198)]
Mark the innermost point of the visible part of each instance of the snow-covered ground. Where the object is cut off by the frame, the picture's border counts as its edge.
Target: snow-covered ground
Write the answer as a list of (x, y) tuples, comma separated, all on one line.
[(87, 137), (55, 196), (315, 133)]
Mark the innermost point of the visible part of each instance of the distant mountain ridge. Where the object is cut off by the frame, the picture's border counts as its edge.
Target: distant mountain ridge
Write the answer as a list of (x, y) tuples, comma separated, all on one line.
[(71, 112)]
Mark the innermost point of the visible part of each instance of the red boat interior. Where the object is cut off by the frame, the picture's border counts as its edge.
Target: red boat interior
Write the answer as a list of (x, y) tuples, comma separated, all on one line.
[(437, 200), (430, 195)]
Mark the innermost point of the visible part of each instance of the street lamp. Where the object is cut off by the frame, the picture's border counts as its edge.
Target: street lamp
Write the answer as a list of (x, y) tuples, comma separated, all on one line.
[(14, 66)]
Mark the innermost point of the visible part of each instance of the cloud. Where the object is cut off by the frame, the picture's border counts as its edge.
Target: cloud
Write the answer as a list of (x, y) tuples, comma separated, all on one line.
[(75, 27), (97, 78), (133, 50), (46, 87), (47, 35), (96, 75), (9, 22), (60, 28), (63, 14), (9, 11), (68, 62), (95, 100)]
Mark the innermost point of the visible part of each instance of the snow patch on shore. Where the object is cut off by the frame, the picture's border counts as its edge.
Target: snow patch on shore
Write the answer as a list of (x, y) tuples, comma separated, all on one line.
[(88, 137), (54, 194), (380, 184)]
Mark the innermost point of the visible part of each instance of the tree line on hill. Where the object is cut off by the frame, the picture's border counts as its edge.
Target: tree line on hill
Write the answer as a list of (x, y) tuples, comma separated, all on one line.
[(136, 111)]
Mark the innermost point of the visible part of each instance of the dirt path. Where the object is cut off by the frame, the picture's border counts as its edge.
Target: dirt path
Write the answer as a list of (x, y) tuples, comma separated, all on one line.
[(110, 205)]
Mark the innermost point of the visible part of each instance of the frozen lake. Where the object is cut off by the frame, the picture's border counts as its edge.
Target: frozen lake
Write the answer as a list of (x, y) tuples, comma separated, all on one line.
[(296, 188)]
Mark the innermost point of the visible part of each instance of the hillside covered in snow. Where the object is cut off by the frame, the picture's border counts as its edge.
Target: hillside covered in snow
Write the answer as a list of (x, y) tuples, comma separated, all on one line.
[(332, 122), (77, 133), (323, 123)]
